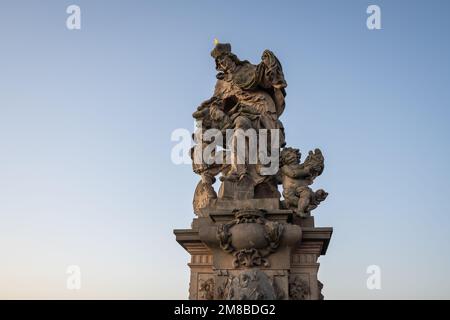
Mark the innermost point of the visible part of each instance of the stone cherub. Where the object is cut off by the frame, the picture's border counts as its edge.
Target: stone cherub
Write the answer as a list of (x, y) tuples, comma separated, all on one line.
[(296, 178)]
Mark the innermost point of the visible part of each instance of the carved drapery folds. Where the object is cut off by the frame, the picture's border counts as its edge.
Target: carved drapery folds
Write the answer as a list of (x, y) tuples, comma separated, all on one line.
[(296, 178), (206, 289)]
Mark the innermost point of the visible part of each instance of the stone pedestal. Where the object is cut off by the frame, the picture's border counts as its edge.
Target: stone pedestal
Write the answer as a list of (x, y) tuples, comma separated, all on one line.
[(254, 254)]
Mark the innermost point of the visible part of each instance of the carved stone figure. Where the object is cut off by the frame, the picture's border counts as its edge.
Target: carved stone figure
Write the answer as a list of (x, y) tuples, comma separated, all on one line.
[(250, 284), (206, 289), (298, 288), (249, 97), (246, 97), (296, 178), (246, 243)]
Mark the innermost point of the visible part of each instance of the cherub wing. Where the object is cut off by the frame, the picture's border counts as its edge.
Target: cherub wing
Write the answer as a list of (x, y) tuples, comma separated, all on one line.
[(315, 160)]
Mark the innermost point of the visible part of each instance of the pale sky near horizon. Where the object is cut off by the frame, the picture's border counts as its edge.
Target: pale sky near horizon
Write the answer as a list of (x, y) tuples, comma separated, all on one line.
[(86, 117)]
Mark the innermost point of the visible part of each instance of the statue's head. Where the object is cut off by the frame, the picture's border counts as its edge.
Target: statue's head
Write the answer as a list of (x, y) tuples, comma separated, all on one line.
[(226, 61), (290, 156)]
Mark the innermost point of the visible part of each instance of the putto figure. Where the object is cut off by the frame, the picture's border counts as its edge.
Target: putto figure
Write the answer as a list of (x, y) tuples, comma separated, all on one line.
[(296, 178)]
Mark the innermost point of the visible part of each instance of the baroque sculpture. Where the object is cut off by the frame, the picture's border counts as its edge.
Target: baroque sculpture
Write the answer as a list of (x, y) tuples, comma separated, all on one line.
[(297, 177), (246, 241)]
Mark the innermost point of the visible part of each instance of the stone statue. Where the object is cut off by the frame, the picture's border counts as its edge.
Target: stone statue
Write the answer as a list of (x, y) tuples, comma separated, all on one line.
[(206, 290), (296, 178), (247, 243), (246, 97)]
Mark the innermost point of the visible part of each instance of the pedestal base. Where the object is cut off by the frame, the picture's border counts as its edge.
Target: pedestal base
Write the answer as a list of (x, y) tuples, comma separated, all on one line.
[(289, 271)]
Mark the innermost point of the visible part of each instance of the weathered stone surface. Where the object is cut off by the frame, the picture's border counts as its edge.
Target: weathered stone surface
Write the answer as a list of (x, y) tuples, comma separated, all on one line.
[(294, 257), (246, 242), (251, 284), (296, 179)]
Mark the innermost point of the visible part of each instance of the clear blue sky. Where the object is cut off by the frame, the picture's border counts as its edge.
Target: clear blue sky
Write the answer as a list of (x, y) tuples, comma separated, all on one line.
[(86, 118)]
